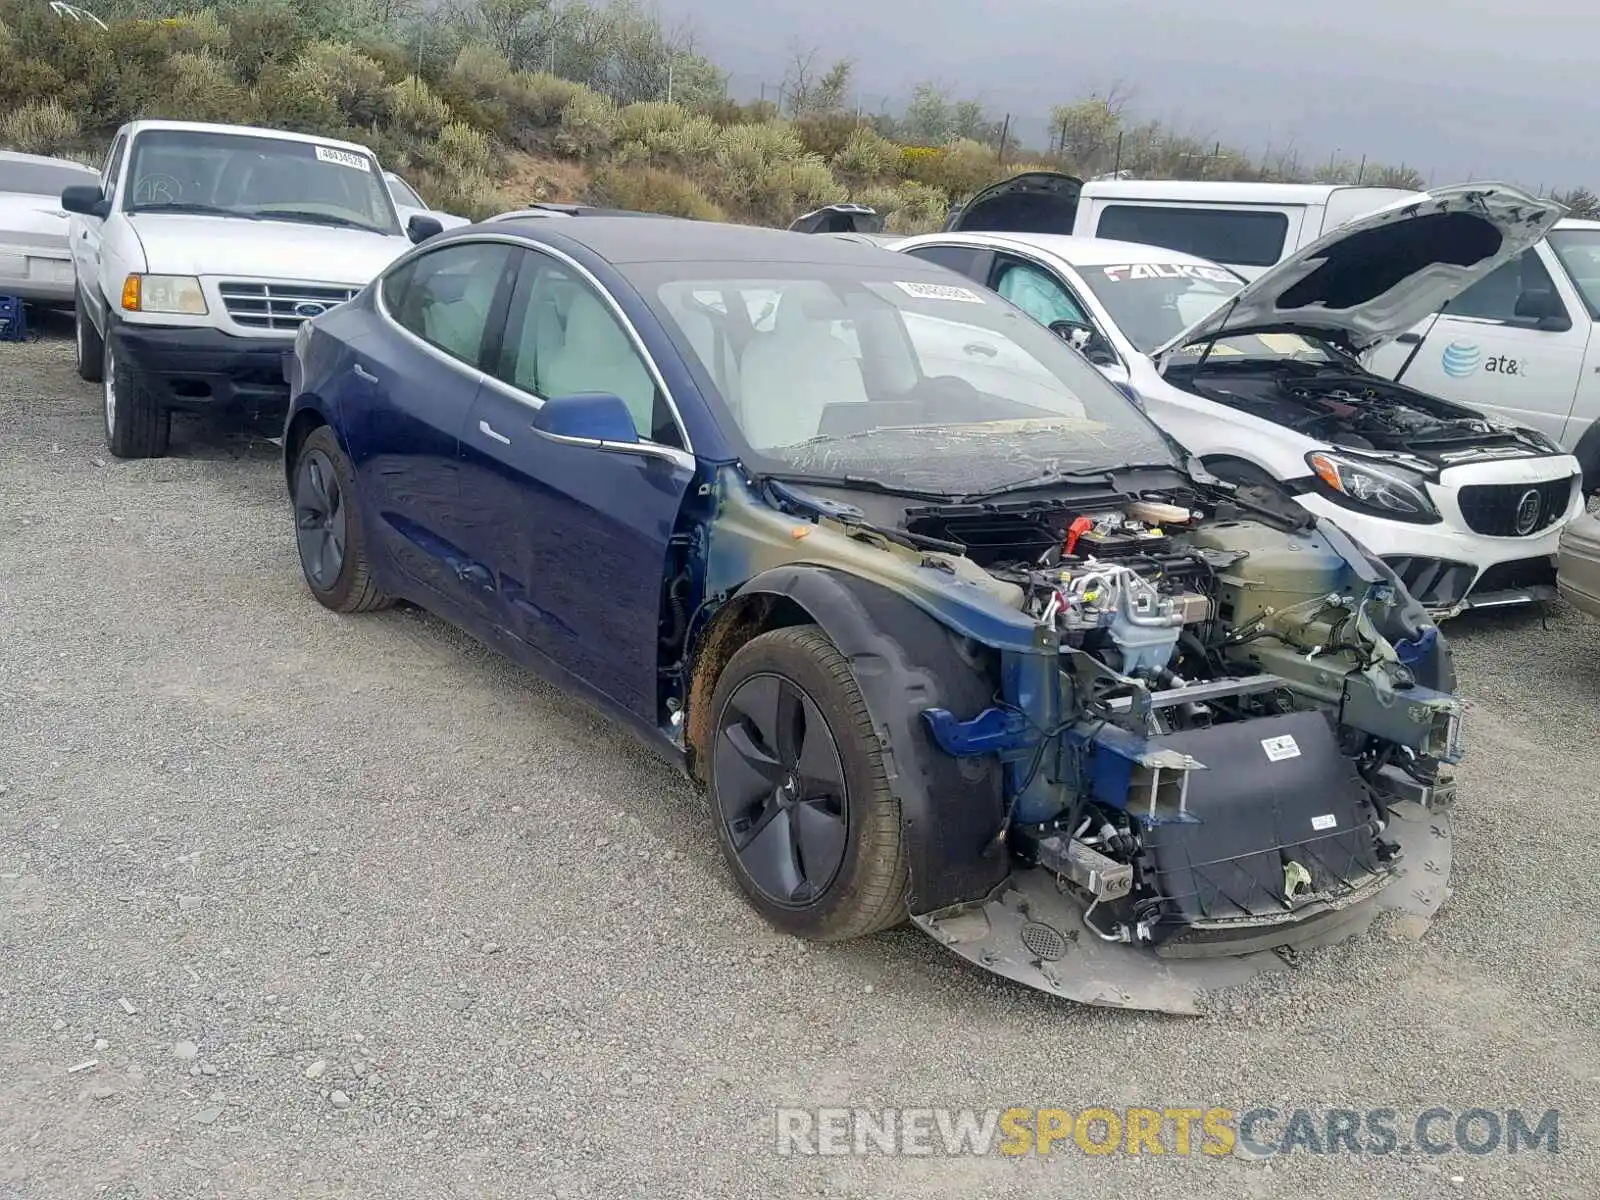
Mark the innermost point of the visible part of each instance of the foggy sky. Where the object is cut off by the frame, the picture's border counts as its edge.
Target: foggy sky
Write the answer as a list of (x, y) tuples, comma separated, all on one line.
[(1454, 89)]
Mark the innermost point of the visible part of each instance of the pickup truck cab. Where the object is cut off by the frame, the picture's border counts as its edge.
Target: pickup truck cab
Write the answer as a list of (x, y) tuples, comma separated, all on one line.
[(199, 253)]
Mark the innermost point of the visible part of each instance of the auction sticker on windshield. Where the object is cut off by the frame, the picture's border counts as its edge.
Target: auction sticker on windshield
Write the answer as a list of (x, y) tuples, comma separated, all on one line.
[(940, 291), (1122, 272), (344, 158)]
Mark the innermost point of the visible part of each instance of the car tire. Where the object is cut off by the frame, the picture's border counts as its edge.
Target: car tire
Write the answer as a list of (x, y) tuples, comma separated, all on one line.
[(799, 793), (136, 424), (90, 350), (329, 530)]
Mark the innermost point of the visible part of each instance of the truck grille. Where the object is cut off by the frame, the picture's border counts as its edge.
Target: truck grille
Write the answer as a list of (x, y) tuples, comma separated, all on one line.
[(1515, 509), (281, 307)]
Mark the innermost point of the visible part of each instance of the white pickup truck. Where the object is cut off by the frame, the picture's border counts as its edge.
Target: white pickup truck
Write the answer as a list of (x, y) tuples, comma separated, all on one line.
[(201, 251)]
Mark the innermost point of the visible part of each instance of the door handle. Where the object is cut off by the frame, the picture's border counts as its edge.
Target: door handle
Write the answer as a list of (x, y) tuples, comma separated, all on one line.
[(363, 373), (489, 431), (1409, 339)]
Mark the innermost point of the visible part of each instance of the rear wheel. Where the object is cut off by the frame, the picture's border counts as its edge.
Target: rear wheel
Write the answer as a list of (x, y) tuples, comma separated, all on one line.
[(799, 793), (137, 426), (328, 529), (90, 350)]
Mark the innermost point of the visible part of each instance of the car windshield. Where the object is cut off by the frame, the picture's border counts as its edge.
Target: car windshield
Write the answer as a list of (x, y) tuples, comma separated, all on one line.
[(894, 375), (42, 179), (1579, 252), (403, 192), (1152, 303), (226, 174)]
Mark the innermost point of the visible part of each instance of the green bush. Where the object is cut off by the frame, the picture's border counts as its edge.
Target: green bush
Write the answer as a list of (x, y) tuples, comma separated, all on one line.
[(415, 113), (45, 128), (261, 36), (458, 150), (649, 189)]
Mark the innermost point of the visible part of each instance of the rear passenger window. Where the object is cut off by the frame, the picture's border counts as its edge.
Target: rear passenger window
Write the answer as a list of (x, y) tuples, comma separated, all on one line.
[(964, 260), (447, 297), (1243, 237)]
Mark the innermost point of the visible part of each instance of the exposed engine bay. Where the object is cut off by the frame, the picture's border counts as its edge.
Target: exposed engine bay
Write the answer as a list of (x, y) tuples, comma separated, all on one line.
[(1235, 722), (1351, 408)]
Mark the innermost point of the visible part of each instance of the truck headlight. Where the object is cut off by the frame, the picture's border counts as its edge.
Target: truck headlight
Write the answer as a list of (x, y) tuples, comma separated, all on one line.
[(1382, 491), (164, 294)]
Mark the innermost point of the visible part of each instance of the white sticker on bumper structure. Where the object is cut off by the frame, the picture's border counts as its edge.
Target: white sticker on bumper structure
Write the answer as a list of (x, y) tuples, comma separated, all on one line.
[(940, 291), (344, 158), (1325, 821), (1280, 748)]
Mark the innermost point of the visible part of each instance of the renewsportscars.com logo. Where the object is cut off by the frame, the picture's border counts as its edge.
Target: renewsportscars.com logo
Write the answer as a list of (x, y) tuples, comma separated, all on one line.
[(1461, 359)]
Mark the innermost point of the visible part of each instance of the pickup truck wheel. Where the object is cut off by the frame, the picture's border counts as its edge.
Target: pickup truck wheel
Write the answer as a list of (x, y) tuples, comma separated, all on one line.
[(136, 424), (328, 528), (799, 791), (91, 351)]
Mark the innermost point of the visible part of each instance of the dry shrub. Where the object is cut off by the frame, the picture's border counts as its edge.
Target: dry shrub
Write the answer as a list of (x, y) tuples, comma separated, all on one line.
[(865, 158), (201, 87), (416, 113), (355, 82), (45, 128), (588, 125), (908, 207), (650, 189)]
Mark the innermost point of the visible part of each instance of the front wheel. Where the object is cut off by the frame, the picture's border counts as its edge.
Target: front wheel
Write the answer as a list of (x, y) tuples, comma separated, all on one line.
[(137, 426), (328, 529), (799, 793)]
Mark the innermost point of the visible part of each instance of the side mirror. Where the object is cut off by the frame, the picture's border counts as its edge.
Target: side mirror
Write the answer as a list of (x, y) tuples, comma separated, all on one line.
[(86, 199), (1086, 340), (1543, 306), (586, 418), (420, 228)]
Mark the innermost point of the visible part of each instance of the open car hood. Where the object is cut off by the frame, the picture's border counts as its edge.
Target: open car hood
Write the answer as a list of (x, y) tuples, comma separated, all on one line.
[(839, 218), (1376, 277), (1033, 202)]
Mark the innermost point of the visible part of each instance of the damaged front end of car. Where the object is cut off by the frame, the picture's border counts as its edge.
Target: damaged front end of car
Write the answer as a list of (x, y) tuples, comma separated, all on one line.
[(1190, 737)]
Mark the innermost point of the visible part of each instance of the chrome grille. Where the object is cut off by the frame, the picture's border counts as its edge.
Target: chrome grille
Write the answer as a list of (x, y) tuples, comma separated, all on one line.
[(281, 307)]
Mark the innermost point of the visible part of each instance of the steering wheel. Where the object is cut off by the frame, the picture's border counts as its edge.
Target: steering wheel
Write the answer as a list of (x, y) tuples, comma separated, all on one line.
[(1086, 340), (157, 189)]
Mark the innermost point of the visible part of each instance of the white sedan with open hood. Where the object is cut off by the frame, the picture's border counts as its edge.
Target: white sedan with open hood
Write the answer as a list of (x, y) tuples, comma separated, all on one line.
[(1264, 380)]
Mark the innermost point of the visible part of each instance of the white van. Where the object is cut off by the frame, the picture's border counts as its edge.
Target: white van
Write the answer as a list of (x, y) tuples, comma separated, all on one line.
[(1247, 227)]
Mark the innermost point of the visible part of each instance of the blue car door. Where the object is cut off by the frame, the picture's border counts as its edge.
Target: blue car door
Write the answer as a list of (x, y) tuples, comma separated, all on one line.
[(577, 536), (414, 377)]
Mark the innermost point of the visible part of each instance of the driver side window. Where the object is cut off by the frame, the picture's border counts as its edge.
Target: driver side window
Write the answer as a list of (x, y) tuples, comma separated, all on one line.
[(1038, 293), (108, 178), (561, 338)]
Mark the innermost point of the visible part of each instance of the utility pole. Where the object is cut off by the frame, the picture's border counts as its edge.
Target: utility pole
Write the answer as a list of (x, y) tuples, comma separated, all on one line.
[(669, 81)]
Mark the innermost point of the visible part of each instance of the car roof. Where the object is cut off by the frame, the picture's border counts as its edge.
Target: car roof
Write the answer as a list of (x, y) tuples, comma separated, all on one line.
[(623, 240), (44, 160), (1577, 223), (1075, 251), (285, 135)]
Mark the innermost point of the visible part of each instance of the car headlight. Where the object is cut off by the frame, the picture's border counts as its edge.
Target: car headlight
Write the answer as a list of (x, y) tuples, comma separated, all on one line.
[(164, 294), (1382, 491)]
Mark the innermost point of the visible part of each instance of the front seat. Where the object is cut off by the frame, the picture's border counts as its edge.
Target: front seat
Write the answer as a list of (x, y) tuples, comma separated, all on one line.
[(791, 373), (596, 356)]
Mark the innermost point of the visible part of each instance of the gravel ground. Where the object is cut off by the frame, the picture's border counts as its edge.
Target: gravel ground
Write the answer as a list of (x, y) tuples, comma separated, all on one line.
[(351, 907)]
